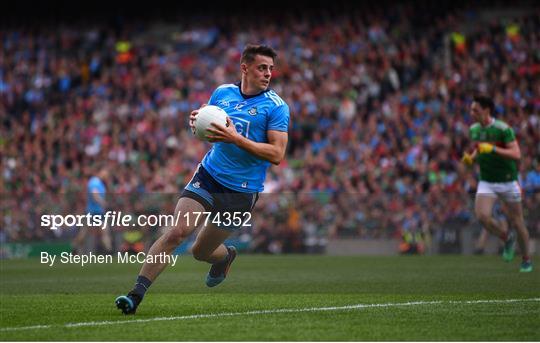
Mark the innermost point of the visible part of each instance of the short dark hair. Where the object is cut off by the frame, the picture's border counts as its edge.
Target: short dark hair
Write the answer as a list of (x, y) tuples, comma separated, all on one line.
[(99, 166), (485, 102), (251, 50)]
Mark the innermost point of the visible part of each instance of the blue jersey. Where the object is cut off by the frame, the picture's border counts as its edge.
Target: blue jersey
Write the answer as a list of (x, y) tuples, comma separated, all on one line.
[(95, 185), (252, 116)]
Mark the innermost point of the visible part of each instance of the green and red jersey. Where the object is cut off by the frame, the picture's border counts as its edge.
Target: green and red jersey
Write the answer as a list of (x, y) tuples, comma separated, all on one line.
[(493, 167)]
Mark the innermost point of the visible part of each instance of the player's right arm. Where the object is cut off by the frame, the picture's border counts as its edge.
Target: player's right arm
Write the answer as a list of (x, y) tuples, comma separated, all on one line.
[(471, 152), (469, 157)]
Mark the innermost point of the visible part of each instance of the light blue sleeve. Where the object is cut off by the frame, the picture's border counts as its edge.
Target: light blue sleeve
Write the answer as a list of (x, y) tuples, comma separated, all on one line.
[(279, 118), (214, 97)]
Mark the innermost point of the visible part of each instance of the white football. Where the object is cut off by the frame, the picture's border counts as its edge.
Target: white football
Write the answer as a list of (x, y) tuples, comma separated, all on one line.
[(207, 115)]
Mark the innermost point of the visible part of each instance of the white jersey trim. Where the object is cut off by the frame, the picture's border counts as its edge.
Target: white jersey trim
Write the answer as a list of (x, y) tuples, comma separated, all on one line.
[(227, 85)]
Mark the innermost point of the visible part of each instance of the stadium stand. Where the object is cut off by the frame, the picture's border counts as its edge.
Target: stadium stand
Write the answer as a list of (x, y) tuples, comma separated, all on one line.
[(379, 103)]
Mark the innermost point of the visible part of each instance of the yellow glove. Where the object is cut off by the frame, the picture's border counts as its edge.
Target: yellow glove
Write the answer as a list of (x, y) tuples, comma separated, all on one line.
[(467, 159), (486, 148)]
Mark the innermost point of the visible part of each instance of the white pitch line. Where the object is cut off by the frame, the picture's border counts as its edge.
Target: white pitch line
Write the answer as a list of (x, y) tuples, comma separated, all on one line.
[(258, 312)]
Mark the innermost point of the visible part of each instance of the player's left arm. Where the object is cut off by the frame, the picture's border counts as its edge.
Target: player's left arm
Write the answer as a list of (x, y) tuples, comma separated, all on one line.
[(273, 151), (511, 150)]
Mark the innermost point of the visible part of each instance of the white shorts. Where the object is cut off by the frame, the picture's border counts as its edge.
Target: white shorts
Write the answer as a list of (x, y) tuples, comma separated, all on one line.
[(507, 191)]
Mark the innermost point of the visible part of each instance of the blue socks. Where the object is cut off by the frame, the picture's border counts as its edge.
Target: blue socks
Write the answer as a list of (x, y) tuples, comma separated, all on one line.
[(141, 286)]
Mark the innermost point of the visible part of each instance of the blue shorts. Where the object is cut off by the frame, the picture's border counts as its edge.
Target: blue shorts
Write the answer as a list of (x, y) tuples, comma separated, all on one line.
[(230, 210)]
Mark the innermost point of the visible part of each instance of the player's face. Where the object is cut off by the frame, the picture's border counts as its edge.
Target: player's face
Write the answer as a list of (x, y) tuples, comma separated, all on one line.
[(259, 72), (104, 174), (477, 112)]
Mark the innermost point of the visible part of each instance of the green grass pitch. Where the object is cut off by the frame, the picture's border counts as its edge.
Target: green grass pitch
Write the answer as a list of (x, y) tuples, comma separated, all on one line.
[(278, 298)]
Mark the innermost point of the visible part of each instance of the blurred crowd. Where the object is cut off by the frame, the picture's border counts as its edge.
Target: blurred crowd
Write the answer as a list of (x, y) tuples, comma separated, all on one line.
[(379, 116)]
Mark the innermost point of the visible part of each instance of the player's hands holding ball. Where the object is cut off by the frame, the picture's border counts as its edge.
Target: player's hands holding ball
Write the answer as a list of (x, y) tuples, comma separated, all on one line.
[(193, 118), (211, 123), (220, 133)]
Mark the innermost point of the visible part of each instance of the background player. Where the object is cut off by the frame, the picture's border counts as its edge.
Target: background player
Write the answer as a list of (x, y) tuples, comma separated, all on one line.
[(231, 174), (95, 205), (497, 154)]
